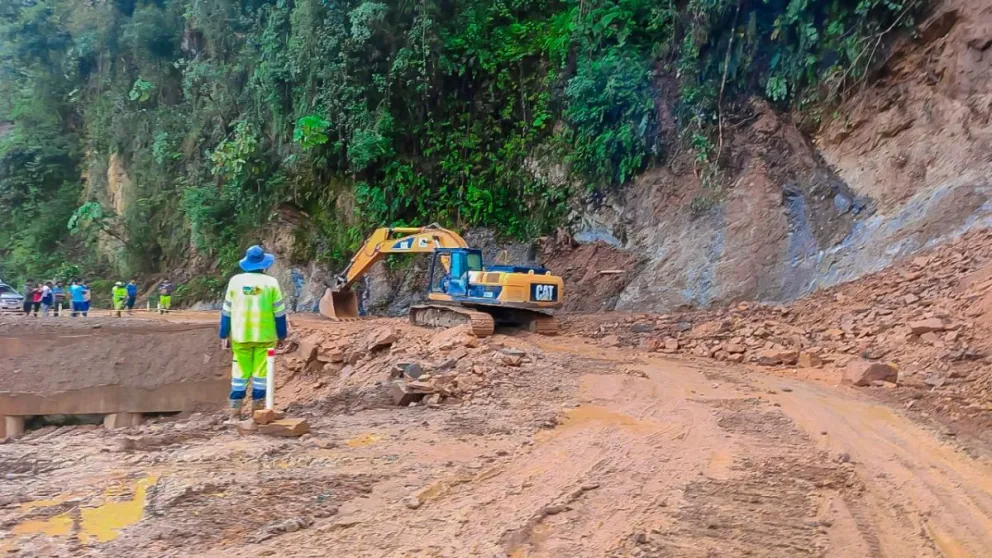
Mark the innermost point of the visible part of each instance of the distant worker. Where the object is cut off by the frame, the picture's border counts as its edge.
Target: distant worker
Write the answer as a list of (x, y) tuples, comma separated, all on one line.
[(36, 296), (132, 295), (76, 297), (47, 298), (87, 297), (165, 289), (58, 293), (254, 319), (28, 296), (119, 295)]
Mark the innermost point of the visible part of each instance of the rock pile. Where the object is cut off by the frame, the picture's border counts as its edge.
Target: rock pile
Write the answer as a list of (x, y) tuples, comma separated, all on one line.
[(405, 368), (927, 321)]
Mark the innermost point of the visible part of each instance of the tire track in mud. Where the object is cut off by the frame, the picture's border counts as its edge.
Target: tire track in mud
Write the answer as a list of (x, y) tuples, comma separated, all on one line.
[(764, 504), (920, 496)]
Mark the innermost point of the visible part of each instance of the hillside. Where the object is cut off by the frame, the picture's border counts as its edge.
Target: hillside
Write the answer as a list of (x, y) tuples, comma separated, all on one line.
[(154, 136)]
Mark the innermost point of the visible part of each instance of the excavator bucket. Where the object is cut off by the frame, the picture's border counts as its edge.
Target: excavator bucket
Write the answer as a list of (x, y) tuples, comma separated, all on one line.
[(339, 305)]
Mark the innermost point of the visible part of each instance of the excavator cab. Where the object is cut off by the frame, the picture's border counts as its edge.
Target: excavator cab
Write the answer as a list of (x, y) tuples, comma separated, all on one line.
[(449, 271)]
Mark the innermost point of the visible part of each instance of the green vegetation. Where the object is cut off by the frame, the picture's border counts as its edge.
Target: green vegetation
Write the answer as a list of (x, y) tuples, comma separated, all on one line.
[(363, 113)]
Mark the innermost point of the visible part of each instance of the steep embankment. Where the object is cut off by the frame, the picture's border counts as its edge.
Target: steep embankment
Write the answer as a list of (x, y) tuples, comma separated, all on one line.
[(901, 166)]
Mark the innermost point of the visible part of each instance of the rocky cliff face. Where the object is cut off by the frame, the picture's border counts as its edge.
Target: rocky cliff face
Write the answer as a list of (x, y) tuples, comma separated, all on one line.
[(108, 182), (901, 166)]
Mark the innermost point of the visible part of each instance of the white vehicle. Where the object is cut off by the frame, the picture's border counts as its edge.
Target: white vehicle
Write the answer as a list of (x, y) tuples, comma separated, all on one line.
[(10, 299)]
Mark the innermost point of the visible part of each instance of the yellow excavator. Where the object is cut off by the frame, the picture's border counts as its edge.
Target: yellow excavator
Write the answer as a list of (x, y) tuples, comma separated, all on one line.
[(461, 290)]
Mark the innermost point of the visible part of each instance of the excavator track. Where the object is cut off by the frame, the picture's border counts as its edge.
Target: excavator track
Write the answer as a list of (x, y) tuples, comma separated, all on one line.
[(522, 318), (530, 320), (442, 315), (544, 324)]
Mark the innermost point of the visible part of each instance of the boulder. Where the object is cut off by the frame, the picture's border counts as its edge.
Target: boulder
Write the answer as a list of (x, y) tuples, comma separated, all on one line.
[(671, 344), (511, 359), (451, 338), (290, 428), (610, 341), (403, 396), (919, 327), (413, 371), (706, 329), (734, 348), (703, 351), (773, 357), (330, 354), (862, 373), (267, 416), (307, 350), (380, 338)]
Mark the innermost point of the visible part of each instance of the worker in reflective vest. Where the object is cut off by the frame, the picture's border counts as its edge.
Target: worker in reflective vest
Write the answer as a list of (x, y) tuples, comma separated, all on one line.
[(254, 319)]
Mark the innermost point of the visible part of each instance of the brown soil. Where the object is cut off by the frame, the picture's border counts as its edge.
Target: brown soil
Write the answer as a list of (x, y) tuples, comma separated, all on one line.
[(539, 446), (580, 266), (101, 351), (926, 120)]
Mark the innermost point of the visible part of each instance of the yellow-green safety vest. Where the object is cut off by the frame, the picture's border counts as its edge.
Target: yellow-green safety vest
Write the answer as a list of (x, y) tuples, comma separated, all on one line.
[(253, 302), (120, 292)]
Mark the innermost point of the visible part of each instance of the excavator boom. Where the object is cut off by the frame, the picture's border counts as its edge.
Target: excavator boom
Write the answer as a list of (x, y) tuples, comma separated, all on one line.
[(339, 302)]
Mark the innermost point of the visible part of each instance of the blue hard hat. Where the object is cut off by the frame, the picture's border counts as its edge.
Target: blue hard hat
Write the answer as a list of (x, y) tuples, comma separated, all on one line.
[(256, 259)]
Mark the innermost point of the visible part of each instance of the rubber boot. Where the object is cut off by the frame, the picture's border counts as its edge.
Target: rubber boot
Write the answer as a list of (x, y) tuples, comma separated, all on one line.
[(235, 411), (257, 405)]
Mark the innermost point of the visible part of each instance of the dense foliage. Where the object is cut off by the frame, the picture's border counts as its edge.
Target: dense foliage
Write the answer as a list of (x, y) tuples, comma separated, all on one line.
[(362, 113)]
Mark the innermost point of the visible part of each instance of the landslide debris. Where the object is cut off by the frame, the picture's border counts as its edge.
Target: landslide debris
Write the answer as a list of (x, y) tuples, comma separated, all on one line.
[(924, 324), (390, 365)]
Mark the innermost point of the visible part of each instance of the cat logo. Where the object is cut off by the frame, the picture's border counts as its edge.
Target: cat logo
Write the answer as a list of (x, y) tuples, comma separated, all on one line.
[(543, 293), (249, 290), (404, 244)]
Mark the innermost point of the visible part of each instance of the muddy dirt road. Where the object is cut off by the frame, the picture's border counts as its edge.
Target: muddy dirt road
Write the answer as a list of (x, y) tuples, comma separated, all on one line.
[(580, 450)]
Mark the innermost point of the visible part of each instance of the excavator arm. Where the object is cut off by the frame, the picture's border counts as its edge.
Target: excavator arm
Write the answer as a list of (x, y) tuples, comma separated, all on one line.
[(400, 240), (340, 302)]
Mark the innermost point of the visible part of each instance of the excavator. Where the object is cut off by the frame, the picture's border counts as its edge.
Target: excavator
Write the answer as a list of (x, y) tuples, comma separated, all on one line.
[(461, 290)]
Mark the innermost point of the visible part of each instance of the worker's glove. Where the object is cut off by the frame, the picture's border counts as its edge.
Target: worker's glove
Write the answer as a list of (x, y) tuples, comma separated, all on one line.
[(225, 344)]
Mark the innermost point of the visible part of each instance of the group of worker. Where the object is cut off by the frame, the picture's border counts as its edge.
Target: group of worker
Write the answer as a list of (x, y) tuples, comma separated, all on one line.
[(49, 298), (125, 296), (42, 297)]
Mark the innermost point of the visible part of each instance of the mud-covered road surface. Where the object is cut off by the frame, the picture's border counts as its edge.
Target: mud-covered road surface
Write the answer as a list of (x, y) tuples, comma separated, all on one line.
[(580, 450)]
